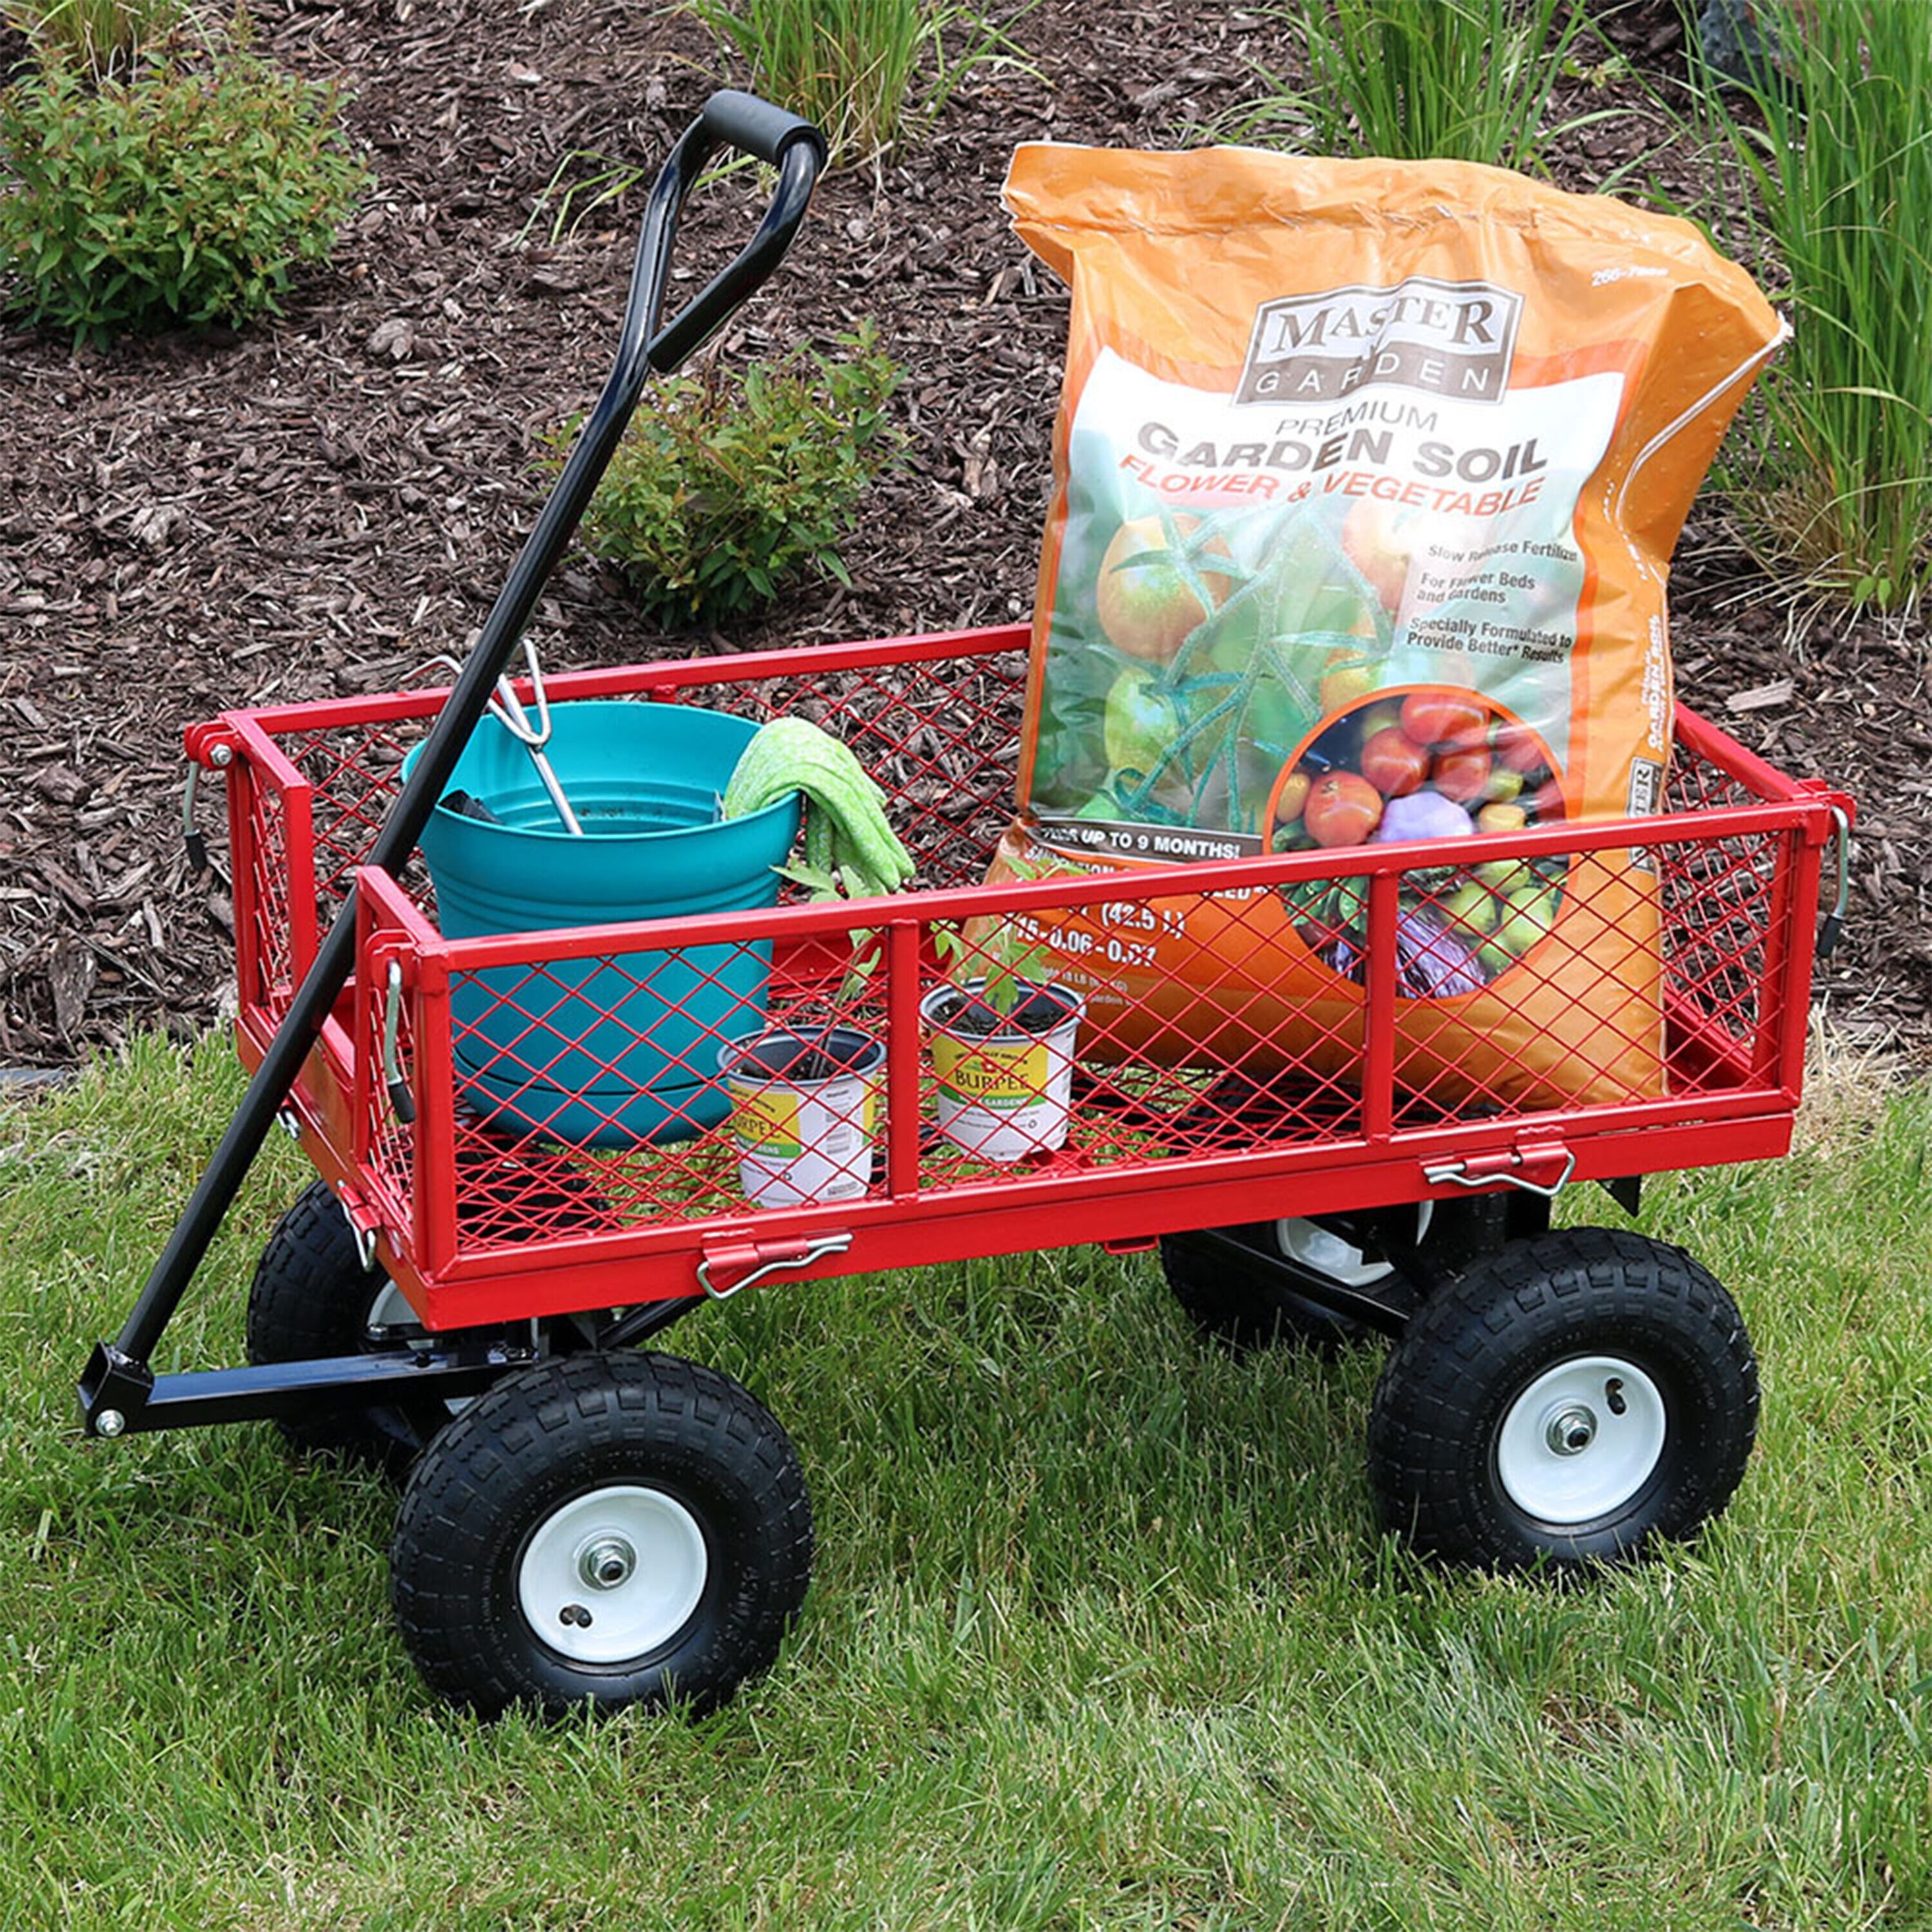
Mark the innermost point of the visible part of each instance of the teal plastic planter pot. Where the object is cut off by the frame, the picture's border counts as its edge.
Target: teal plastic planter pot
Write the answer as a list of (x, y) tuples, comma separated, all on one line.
[(592, 1052)]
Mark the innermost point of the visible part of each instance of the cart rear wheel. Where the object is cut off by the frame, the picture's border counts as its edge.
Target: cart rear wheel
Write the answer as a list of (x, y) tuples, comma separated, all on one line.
[(1580, 1397), (608, 1529), (1253, 1307), (312, 1298)]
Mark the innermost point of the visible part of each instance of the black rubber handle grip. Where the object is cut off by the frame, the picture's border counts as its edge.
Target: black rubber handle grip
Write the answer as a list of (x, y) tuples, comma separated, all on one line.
[(738, 120)]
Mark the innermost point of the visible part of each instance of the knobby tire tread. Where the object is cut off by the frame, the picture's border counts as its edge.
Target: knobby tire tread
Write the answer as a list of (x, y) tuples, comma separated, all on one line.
[(548, 1432), (1444, 1389)]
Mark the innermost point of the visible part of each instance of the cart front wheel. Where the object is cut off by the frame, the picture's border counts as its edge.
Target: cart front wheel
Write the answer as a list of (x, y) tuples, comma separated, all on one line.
[(1255, 1307), (608, 1529), (312, 1298), (1579, 1397)]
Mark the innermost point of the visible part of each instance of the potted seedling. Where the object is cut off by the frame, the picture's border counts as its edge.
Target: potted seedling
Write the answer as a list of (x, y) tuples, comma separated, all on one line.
[(1002, 1044), (805, 1098)]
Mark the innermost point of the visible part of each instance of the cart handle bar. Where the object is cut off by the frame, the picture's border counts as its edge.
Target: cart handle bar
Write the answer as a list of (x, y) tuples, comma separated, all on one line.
[(646, 344)]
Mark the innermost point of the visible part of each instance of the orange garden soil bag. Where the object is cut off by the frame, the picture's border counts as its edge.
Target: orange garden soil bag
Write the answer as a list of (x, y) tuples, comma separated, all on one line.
[(1366, 478)]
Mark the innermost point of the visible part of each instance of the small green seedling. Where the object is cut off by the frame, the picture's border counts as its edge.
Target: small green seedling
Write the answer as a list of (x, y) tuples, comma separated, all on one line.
[(1007, 958), (840, 883)]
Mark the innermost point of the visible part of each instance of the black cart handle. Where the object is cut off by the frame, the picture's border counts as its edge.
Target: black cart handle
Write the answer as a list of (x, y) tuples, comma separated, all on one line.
[(729, 119), (643, 346), (117, 1379)]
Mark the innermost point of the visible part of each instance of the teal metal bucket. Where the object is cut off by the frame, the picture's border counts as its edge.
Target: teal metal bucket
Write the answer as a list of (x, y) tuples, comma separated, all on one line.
[(595, 1052)]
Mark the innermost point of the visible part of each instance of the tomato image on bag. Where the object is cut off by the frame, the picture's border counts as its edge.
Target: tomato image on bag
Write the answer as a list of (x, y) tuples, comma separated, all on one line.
[(1366, 477)]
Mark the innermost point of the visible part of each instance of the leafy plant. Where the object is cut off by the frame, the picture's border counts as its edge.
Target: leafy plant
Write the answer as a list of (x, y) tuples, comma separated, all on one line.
[(1830, 178), (1466, 80), (829, 887), (869, 72), (97, 37), (724, 486), (183, 193), (1005, 954)]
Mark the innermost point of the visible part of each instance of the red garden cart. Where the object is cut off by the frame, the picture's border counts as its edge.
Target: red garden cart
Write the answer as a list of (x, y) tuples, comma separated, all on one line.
[(463, 1291)]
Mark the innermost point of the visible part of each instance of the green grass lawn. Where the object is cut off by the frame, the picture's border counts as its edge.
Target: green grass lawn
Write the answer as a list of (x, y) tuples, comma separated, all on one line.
[(1100, 1634)]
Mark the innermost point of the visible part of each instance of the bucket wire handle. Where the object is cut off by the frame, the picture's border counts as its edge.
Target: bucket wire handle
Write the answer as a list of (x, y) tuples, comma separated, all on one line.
[(533, 734)]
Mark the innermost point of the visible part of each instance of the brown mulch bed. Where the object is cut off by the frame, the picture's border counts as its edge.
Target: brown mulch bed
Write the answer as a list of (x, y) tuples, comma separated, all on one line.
[(316, 506)]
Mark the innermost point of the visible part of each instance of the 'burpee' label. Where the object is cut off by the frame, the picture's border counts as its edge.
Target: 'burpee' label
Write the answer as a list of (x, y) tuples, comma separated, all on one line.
[(1002, 1076)]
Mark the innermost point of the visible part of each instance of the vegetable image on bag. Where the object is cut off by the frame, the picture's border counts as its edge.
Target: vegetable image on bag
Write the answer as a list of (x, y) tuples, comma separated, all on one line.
[(1366, 477)]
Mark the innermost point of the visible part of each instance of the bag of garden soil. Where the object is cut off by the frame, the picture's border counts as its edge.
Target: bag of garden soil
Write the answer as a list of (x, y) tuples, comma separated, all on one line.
[(1367, 476)]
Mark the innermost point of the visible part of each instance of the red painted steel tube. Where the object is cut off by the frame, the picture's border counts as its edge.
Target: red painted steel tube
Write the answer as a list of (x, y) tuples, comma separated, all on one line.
[(435, 1169), (1379, 1012), (679, 675), (902, 1058), (1743, 1112)]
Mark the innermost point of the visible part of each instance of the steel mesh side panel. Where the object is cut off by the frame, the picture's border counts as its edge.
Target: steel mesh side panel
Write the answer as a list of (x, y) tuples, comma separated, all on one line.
[(1717, 898), (940, 739), (592, 1095), (592, 1098), (391, 1159), (355, 774)]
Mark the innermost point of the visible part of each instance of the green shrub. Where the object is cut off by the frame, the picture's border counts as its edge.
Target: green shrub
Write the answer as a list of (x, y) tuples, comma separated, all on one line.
[(1467, 80), (102, 36), (183, 192), (867, 72), (723, 487), (1831, 180)]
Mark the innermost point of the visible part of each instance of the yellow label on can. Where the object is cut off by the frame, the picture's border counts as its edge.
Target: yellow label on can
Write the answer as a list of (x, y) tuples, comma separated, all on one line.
[(765, 1121), (1004, 1075)]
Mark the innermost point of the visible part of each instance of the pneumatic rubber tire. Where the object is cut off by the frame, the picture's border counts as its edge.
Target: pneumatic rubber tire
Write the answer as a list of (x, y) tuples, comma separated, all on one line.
[(602, 1529), (312, 1298), (1246, 1310), (1577, 1398)]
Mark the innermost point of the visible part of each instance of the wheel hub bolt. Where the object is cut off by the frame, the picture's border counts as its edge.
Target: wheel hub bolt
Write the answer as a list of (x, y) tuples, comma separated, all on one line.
[(607, 1563), (1570, 1430)]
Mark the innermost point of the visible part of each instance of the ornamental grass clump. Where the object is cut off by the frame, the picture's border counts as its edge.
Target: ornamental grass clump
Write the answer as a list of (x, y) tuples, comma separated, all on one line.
[(1467, 80), (725, 487), (99, 37), (869, 72), (183, 191), (1829, 155)]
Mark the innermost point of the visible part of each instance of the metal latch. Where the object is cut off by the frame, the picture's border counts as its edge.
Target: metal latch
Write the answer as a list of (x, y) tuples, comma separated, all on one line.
[(401, 1099), (1834, 919), (750, 1261), (219, 757), (361, 1226), (1511, 1166)]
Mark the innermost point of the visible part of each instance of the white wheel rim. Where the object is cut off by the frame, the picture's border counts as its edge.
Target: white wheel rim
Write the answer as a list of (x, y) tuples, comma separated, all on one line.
[(1314, 1248), (613, 1574), (1582, 1440), (391, 1309)]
